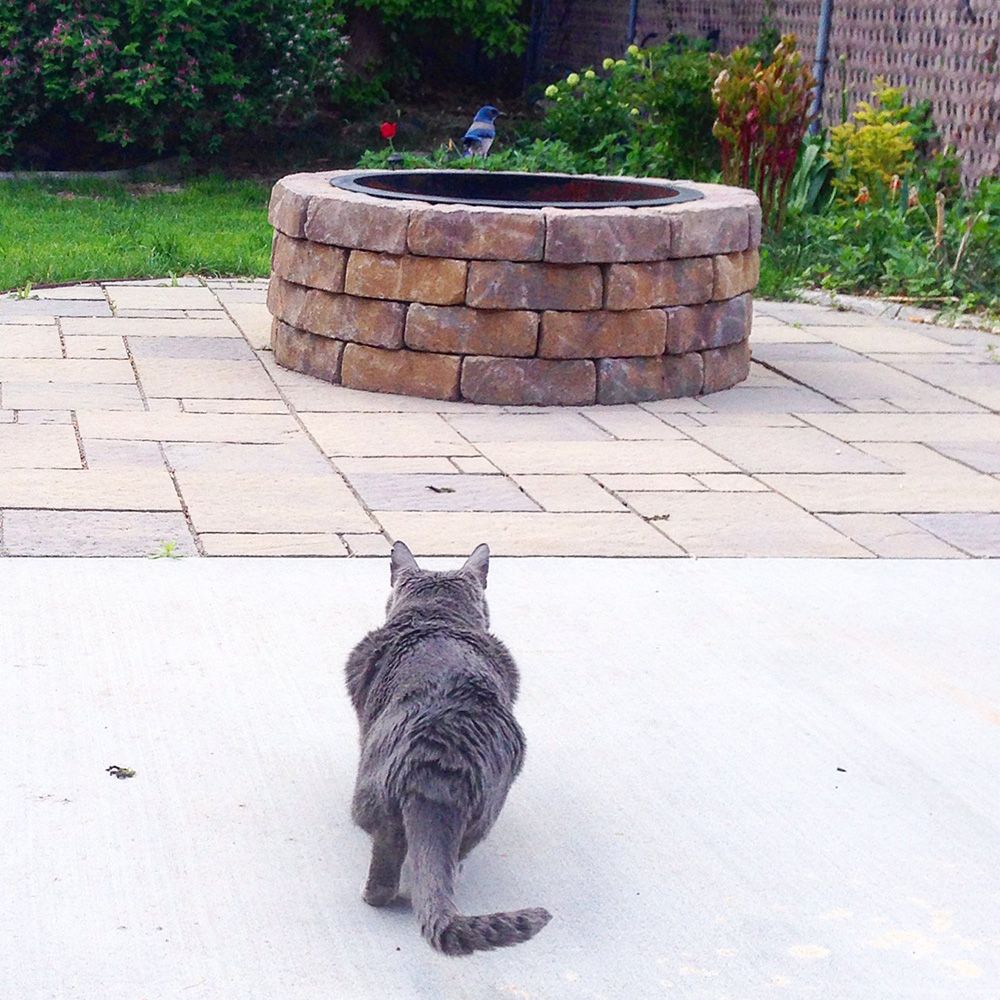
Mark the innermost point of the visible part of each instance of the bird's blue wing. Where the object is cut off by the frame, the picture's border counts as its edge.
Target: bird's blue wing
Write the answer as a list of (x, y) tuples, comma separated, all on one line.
[(480, 132)]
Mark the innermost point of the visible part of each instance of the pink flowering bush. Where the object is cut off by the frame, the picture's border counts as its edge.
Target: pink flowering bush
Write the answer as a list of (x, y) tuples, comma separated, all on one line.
[(168, 74)]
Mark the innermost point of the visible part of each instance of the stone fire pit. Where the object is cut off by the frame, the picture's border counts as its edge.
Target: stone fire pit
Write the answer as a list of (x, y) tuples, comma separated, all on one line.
[(647, 299)]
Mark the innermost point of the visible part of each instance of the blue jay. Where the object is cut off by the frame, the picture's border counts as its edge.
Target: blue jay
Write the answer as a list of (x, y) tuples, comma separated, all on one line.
[(479, 138)]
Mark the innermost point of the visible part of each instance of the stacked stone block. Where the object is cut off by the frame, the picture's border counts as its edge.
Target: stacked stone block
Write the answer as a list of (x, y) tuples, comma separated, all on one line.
[(513, 306)]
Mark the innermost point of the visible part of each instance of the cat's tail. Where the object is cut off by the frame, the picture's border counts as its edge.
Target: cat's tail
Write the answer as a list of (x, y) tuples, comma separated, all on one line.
[(433, 836)]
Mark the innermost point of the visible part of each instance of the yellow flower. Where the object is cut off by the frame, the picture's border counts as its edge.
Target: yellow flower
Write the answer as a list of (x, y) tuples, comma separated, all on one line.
[(633, 50), (634, 111), (608, 63), (619, 62), (573, 79), (551, 91), (590, 75)]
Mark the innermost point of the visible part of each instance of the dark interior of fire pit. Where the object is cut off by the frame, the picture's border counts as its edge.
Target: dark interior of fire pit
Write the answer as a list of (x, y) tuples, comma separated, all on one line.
[(514, 190)]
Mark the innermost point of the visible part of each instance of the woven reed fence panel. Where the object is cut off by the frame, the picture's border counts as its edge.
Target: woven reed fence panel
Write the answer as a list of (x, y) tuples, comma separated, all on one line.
[(947, 51)]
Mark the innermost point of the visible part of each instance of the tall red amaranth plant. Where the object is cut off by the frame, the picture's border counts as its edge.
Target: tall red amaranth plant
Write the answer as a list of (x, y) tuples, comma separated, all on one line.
[(763, 113)]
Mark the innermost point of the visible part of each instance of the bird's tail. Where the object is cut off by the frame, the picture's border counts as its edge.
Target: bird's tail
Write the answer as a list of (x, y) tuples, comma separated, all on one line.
[(433, 836)]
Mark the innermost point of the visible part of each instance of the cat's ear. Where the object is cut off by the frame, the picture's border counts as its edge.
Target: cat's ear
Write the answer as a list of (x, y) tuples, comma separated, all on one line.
[(401, 561), (478, 564)]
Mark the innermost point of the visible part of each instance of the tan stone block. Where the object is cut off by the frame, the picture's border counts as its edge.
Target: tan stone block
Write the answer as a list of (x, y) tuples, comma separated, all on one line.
[(411, 373), (459, 330), (95, 347), (528, 381), (606, 235), (315, 265), (599, 334), (254, 321), (476, 233), (716, 324), (344, 317), (286, 300), (755, 225), (726, 366), (290, 200), (100, 533), (663, 283), (435, 280), (704, 228), (635, 380), (507, 285), (141, 297), (358, 222), (891, 536), (306, 352), (735, 274)]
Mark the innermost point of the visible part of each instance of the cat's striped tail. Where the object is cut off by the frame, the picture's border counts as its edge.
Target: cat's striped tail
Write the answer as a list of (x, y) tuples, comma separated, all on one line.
[(433, 836)]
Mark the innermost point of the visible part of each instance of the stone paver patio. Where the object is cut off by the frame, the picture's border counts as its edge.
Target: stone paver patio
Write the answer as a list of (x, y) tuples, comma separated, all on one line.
[(143, 413)]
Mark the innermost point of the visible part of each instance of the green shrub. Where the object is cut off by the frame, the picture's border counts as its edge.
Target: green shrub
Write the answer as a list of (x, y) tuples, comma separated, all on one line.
[(649, 113), (543, 155), (167, 74)]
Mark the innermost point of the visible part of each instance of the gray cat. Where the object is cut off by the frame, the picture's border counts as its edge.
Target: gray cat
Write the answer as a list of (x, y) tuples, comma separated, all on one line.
[(440, 747)]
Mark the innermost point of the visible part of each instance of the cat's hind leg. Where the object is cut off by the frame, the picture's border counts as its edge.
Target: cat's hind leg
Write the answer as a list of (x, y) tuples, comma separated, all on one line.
[(388, 852)]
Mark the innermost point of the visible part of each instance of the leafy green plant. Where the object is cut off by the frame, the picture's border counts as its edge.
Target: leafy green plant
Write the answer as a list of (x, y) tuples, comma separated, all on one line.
[(496, 24), (167, 550), (545, 155), (876, 145), (166, 74), (763, 111), (810, 190), (648, 113)]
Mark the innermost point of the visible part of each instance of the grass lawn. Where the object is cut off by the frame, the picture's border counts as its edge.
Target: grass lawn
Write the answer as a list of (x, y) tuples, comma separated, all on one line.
[(56, 232)]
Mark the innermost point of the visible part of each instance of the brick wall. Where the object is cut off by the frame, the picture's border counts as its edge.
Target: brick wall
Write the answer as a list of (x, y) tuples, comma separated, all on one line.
[(947, 51)]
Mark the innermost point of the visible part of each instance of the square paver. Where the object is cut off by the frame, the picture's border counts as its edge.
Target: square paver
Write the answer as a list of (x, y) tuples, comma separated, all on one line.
[(741, 524), (117, 454), (564, 426), (251, 502), (149, 326), (786, 449), (94, 533), (72, 396), (975, 533), (212, 348), (981, 455), (66, 371), (96, 346), (630, 423), (885, 338), (525, 534), (569, 493), (254, 321), (396, 491), (930, 427), (298, 456), (272, 545), (367, 545), (30, 342), (891, 536), (153, 297), (360, 434), (886, 494), (38, 446), (244, 428), (188, 377), (605, 456), (89, 489)]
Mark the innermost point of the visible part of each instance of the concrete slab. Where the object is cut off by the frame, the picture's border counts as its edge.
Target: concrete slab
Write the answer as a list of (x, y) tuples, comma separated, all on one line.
[(743, 779)]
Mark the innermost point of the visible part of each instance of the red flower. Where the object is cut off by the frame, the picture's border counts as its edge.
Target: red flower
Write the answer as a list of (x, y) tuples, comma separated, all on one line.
[(388, 130)]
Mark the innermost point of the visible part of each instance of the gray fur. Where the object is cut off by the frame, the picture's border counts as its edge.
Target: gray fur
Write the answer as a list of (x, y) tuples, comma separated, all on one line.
[(440, 746)]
